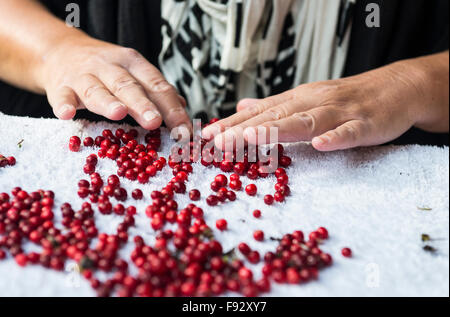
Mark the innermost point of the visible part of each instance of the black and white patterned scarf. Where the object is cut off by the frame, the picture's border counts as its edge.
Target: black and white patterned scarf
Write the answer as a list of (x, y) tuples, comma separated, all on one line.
[(217, 51)]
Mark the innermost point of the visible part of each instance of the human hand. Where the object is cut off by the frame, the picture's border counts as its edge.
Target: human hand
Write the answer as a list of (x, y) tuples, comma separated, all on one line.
[(369, 109), (111, 81)]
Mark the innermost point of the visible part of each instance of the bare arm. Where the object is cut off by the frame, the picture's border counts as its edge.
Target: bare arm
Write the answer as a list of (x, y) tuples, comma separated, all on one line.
[(41, 53), (28, 32)]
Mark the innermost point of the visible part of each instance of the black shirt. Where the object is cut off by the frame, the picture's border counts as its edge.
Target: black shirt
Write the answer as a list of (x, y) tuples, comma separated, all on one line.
[(408, 28)]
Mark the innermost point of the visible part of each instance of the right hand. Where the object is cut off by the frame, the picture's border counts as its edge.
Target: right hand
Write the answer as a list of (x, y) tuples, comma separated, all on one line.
[(111, 81)]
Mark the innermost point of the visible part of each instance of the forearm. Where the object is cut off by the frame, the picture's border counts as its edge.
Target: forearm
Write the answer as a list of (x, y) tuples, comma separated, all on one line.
[(429, 77), (27, 33)]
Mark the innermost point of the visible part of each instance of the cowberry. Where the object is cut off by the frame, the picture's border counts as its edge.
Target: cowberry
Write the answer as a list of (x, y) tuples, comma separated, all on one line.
[(347, 252), (137, 194), (221, 224), (251, 189), (257, 213), (88, 142), (194, 195), (268, 199), (74, 144), (258, 235), (212, 200)]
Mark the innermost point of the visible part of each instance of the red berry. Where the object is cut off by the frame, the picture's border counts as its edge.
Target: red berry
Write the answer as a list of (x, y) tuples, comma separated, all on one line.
[(323, 232), (215, 186), (194, 195), (88, 141), (221, 179), (279, 197), (212, 200), (137, 194), (11, 161), (285, 161), (74, 144), (347, 252), (268, 200), (244, 248), (251, 189), (258, 235), (257, 213), (21, 259), (221, 224), (283, 179), (236, 184)]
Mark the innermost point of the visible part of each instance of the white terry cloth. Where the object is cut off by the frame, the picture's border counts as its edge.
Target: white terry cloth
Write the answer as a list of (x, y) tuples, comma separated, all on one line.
[(217, 52), (367, 198)]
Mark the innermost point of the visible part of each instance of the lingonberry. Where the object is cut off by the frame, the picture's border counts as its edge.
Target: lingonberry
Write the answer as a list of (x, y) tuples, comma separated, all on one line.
[(258, 235), (137, 194), (285, 161), (244, 248), (347, 252), (88, 141), (215, 186), (221, 224), (74, 144), (89, 169), (11, 161), (279, 197), (280, 171), (323, 232), (236, 184), (92, 159), (283, 179), (231, 195), (257, 213), (221, 179), (268, 199), (254, 257), (212, 200), (21, 259), (119, 209), (251, 189), (194, 195)]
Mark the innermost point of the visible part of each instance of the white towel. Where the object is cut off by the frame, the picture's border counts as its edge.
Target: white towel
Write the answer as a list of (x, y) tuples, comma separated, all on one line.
[(367, 198)]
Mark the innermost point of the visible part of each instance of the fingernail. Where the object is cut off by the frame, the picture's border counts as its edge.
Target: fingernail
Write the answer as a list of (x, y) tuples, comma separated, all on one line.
[(151, 115), (117, 107), (210, 131), (64, 110), (320, 141)]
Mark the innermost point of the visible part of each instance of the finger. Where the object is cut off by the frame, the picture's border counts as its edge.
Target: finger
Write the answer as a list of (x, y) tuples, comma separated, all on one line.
[(349, 135), (182, 101), (263, 104), (64, 102), (129, 91), (163, 94), (246, 103), (301, 126), (98, 99)]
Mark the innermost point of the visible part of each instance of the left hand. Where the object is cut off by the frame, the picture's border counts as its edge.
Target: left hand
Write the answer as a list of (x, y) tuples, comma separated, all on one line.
[(368, 109)]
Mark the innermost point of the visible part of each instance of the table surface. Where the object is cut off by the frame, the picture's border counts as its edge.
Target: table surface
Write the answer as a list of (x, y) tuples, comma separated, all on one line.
[(369, 199)]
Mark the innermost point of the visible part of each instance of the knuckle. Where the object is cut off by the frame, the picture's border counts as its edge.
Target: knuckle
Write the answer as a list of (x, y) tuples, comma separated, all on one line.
[(123, 82), (351, 132), (159, 85), (130, 53), (89, 92), (176, 114), (274, 114), (307, 120), (255, 110)]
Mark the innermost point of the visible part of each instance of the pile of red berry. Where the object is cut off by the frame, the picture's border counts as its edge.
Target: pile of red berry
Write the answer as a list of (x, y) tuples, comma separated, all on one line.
[(185, 261), (7, 161)]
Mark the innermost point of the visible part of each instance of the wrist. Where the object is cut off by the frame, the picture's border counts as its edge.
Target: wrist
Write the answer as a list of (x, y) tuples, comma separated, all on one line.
[(427, 78)]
